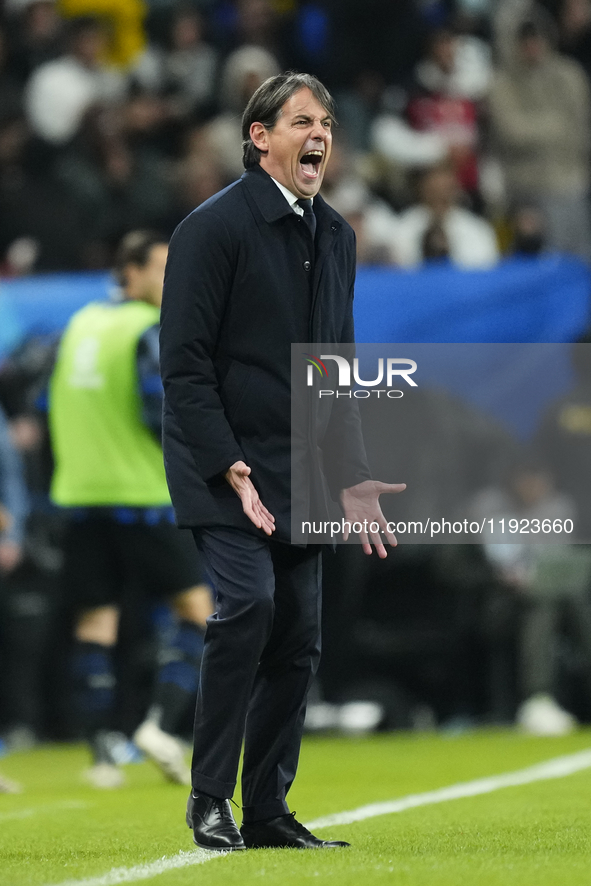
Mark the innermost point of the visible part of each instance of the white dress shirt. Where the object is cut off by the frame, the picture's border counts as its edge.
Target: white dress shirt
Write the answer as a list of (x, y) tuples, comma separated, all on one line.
[(291, 198)]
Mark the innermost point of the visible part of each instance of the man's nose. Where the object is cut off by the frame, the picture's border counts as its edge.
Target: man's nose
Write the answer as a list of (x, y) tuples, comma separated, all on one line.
[(319, 131)]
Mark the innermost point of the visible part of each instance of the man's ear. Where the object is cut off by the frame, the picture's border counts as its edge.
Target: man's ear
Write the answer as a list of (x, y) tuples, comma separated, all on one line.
[(259, 137)]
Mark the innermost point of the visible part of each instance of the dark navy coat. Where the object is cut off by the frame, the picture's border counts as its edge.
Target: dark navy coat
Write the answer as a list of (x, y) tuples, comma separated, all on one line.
[(243, 282)]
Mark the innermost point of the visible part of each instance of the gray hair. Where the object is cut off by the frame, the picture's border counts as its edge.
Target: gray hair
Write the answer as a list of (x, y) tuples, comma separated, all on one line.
[(266, 104)]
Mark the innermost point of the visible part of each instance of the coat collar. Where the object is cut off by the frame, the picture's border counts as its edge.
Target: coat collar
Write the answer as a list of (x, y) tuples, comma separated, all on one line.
[(273, 205)]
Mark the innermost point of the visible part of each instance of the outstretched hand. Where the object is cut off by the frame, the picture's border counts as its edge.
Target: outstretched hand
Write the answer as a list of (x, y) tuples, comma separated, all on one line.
[(238, 478), (361, 504)]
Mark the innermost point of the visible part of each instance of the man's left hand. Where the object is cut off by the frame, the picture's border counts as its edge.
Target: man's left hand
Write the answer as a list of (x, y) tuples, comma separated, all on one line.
[(362, 503)]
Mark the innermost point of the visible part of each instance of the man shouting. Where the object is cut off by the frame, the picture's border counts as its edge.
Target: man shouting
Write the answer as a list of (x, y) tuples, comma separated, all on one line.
[(264, 263)]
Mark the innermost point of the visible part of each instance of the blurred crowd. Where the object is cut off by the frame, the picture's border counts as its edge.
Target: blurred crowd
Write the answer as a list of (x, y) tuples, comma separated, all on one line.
[(464, 133), (464, 125)]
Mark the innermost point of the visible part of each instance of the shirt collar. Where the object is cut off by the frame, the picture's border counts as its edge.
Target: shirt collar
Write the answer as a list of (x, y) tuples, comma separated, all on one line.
[(291, 198), (272, 205)]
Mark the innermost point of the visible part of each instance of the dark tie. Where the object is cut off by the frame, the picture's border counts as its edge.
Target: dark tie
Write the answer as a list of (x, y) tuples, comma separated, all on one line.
[(309, 216)]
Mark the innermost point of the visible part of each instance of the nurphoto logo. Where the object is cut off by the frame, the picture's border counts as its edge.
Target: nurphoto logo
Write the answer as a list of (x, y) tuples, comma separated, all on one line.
[(389, 368)]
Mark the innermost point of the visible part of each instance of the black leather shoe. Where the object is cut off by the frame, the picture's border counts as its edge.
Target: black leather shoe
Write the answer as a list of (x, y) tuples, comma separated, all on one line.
[(213, 824), (284, 832)]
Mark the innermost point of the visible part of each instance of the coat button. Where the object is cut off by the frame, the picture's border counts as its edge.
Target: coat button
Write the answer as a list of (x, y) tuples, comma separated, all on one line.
[(307, 265)]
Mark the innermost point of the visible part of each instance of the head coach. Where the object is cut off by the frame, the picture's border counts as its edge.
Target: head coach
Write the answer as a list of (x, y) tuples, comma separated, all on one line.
[(264, 263)]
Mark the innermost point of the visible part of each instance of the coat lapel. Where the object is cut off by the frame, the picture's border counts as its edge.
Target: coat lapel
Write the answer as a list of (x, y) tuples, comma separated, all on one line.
[(264, 193)]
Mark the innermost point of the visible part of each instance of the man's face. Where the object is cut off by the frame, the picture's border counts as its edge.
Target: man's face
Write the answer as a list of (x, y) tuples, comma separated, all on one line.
[(90, 45), (443, 52), (533, 50), (295, 152), (145, 283), (439, 190)]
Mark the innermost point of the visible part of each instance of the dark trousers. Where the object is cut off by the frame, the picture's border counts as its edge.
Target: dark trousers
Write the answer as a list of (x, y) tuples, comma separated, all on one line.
[(262, 648)]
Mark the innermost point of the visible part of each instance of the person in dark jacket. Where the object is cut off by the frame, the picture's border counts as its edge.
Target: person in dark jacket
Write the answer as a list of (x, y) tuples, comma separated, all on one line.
[(264, 263)]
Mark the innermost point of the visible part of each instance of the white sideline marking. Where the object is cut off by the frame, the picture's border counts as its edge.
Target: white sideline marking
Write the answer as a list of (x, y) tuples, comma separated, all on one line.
[(36, 810), (556, 768), (559, 767), (147, 871)]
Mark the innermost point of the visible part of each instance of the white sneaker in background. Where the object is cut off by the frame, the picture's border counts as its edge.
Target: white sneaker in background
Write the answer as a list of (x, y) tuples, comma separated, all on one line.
[(542, 715), (20, 738), (105, 776), (165, 750), (321, 715), (7, 786), (358, 717)]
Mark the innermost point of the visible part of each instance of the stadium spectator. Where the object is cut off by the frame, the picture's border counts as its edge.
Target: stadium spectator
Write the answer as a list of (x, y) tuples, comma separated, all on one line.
[(372, 246), (449, 82), (123, 21), (61, 92), (257, 24), (242, 74), (359, 106), (10, 88), (455, 65), (118, 179), (436, 117), (37, 36), (372, 219), (377, 36), (42, 225), (395, 140), (471, 240), (110, 474), (197, 178), (507, 16), (435, 245), (184, 72), (528, 232), (574, 24), (540, 120)]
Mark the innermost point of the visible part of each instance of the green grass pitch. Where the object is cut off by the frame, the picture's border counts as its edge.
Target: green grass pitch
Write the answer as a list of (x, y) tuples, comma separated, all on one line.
[(539, 834)]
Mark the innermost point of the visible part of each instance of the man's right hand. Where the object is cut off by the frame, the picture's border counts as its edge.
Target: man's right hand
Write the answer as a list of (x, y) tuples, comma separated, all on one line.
[(238, 478)]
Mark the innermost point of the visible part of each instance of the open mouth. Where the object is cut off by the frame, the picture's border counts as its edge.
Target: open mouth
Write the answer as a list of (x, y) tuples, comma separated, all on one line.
[(310, 163)]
